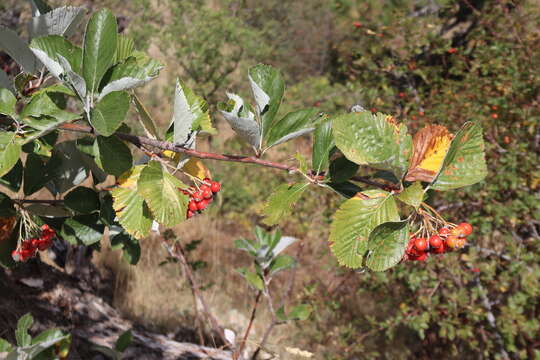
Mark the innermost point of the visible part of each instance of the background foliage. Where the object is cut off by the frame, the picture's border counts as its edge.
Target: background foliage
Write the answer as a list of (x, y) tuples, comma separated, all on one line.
[(441, 61)]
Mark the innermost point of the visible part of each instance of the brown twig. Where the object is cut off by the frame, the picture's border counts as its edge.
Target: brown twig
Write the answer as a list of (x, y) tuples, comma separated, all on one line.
[(238, 351), (165, 145), (177, 252)]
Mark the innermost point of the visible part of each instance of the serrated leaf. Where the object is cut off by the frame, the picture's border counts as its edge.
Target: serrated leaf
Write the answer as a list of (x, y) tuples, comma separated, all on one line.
[(21, 333), (59, 21), (280, 202), (252, 278), (129, 74), (131, 209), (323, 143), (161, 191), (147, 122), (13, 179), (353, 222), (35, 174), (82, 230), (346, 189), (82, 200), (282, 262), (50, 49), (342, 169), (292, 125), (387, 244), (115, 165), (125, 46), (268, 87), (10, 150), (190, 113), (242, 120), (39, 7), (412, 195), (300, 312), (18, 49), (7, 103), (99, 47), (465, 162), (375, 140), (67, 167), (107, 116), (131, 250)]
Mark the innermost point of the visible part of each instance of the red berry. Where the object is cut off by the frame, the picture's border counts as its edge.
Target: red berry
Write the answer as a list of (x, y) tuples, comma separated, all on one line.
[(440, 250), (192, 205), (422, 257), (190, 214), (466, 228), (357, 24), (494, 115), (420, 244), (444, 231), (202, 204), (15, 255), (401, 95), (197, 196), (452, 242), (215, 186), (207, 193), (452, 50), (435, 241)]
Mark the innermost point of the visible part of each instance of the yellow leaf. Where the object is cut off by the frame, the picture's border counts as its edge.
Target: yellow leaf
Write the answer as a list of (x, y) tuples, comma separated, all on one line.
[(430, 146), (171, 155), (196, 168)]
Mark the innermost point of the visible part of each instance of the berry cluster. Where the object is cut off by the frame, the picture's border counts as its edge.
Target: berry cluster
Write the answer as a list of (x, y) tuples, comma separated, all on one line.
[(201, 196), (29, 247), (448, 238)]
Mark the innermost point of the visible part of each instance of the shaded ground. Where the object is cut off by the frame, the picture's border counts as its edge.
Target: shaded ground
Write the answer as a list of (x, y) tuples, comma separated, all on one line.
[(56, 299)]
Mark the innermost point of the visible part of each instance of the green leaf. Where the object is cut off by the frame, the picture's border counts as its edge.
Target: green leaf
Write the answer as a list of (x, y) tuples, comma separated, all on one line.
[(82, 230), (131, 208), (5, 346), (292, 125), (7, 103), (18, 49), (300, 312), (161, 191), (115, 165), (123, 341), (50, 49), (82, 200), (375, 140), (109, 113), (280, 202), (55, 88), (67, 167), (124, 48), (268, 87), (465, 162), (10, 150), (21, 333), (106, 210), (60, 21), (354, 221), (387, 244), (342, 169), (190, 113), (5, 82), (35, 174), (99, 47), (147, 122), (252, 278), (412, 195), (129, 74), (131, 249), (242, 119), (322, 145), (346, 189), (13, 179), (246, 245), (282, 262), (44, 341)]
